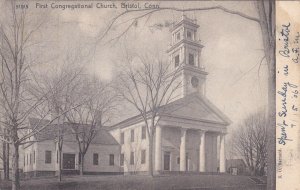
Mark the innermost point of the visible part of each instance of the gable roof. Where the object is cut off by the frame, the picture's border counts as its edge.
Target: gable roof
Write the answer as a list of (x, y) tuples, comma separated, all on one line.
[(193, 106), (196, 107), (102, 137), (48, 133)]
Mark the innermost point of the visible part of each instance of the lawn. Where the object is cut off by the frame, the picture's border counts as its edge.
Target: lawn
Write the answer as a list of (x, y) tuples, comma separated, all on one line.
[(182, 182)]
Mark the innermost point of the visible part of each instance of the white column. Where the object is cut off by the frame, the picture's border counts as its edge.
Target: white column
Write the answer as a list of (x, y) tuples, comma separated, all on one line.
[(182, 166), (222, 153), (202, 152), (157, 158)]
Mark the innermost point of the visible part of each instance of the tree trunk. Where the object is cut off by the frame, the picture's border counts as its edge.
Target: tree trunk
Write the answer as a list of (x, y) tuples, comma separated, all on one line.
[(81, 164), (59, 145), (252, 171), (59, 165), (15, 168), (151, 155), (4, 159), (268, 35), (6, 177)]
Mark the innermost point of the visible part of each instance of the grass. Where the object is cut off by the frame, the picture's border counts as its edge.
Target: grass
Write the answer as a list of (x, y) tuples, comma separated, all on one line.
[(182, 182)]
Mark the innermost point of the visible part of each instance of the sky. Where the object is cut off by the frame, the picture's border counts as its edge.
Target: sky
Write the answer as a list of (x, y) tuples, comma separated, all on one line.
[(231, 54)]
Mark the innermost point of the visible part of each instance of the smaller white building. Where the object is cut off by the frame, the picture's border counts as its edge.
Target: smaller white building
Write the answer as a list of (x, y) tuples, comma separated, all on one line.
[(41, 155)]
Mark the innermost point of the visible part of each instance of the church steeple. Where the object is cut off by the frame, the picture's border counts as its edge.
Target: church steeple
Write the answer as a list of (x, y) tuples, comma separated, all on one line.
[(184, 54)]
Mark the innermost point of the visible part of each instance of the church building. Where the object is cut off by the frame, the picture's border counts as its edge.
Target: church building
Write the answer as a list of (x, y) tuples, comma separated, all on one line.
[(190, 135)]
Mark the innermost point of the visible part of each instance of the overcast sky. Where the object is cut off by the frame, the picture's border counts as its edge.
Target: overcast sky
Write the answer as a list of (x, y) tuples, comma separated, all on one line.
[(231, 54)]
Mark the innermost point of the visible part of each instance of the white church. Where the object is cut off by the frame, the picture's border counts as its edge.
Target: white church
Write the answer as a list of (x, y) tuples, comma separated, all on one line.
[(190, 136)]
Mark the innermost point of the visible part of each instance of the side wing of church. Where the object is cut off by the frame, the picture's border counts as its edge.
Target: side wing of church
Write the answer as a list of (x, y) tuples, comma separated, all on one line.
[(190, 136)]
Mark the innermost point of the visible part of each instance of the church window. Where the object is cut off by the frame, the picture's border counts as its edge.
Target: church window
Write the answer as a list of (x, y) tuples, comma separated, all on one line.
[(132, 135), (176, 60), (47, 157), (195, 82), (143, 156), (95, 159), (131, 158), (122, 138), (178, 36), (143, 132), (189, 35), (122, 159), (111, 159), (191, 59)]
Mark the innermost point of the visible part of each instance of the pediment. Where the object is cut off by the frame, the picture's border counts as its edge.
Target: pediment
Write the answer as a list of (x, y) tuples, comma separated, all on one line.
[(195, 107)]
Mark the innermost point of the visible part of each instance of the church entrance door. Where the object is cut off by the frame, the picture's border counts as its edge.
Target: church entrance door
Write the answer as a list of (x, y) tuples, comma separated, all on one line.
[(187, 162)]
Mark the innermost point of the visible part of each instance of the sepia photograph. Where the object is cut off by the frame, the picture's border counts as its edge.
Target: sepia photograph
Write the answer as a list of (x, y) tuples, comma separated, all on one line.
[(140, 95)]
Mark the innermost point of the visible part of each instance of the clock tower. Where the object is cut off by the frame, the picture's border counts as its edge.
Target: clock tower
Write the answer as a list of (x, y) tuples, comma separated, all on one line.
[(184, 56)]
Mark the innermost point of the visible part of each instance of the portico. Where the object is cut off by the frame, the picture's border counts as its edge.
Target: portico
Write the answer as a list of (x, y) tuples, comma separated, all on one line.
[(188, 153)]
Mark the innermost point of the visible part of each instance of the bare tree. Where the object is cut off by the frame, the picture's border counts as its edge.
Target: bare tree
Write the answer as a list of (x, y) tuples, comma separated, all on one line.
[(250, 142), (20, 95), (90, 117), (59, 97), (147, 88), (15, 63)]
